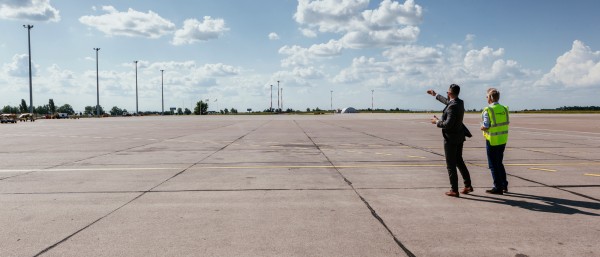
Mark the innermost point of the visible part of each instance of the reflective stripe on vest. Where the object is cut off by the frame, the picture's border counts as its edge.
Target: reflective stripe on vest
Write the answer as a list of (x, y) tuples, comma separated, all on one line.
[(497, 134)]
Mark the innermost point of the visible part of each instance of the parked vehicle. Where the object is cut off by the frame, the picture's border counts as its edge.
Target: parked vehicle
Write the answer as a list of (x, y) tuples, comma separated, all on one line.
[(27, 117), (8, 118)]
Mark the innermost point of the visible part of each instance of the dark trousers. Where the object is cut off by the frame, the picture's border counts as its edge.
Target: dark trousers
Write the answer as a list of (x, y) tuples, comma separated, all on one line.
[(455, 160), (495, 155)]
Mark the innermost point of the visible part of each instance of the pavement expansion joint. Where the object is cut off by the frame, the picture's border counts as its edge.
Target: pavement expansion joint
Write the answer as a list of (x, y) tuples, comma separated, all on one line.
[(367, 204), (140, 195)]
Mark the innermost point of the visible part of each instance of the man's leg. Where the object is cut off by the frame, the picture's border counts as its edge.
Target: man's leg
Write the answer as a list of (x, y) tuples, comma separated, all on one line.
[(491, 162), (500, 166), (450, 151), (462, 167)]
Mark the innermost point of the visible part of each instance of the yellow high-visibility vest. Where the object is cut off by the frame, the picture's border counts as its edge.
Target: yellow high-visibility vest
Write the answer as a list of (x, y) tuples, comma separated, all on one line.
[(497, 134)]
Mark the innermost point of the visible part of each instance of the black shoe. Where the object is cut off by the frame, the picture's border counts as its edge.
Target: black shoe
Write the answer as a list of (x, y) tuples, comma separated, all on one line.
[(494, 191), (505, 190)]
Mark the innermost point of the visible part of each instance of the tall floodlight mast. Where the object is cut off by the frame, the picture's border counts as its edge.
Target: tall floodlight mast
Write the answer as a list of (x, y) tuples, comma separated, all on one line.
[(97, 85), (29, 27)]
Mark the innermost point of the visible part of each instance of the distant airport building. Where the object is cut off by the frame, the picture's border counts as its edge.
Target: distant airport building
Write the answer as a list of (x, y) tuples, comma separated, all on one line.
[(349, 110)]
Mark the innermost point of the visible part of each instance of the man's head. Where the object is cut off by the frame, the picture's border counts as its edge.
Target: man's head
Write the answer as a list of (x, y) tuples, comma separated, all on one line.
[(453, 91), (493, 95)]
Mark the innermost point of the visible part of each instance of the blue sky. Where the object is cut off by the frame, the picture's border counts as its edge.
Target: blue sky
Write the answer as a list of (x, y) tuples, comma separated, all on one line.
[(539, 54)]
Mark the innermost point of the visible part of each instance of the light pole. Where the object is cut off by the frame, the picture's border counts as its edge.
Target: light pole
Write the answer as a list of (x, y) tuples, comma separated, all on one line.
[(137, 112), (97, 85), (281, 99), (331, 100), (271, 109), (162, 94), (372, 91), (278, 96), (29, 27)]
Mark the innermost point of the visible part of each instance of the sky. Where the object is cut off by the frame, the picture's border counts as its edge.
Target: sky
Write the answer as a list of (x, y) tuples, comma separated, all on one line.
[(324, 53)]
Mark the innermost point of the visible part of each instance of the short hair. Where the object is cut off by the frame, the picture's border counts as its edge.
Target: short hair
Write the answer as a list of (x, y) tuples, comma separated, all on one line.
[(455, 89), (493, 94)]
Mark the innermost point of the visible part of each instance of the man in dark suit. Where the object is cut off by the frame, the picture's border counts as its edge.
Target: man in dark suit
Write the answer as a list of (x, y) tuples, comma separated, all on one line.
[(453, 131)]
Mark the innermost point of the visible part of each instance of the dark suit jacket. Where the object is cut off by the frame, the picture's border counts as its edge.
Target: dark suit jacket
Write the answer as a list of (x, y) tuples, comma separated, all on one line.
[(452, 120)]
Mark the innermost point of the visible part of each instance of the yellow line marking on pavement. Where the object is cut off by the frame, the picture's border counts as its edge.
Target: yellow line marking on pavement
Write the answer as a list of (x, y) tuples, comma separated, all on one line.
[(592, 174), (324, 166), (414, 156), (383, 154), (306, 167), (543, 164), (90, 169), (549, 170)]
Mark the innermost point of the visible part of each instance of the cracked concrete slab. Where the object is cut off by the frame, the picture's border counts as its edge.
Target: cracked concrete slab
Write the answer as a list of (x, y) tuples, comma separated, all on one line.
[(292, 185), (258, 223)]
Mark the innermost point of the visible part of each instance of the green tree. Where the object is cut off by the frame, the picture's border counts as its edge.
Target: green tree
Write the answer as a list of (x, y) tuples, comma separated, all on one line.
[(51, 106), (201, 108), (116, 111), (234, 111), (89, 110), (226, 111), (92, 110), (66, 108), (42, 109), (23, 107), (179, 111), (187, 111), (10, 109)]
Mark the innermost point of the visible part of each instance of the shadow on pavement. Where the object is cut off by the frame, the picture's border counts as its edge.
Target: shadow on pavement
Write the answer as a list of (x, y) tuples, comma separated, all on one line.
[(550, 204)]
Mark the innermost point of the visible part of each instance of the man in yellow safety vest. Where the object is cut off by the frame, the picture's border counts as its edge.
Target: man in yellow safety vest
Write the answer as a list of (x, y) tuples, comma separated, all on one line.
[(495, 130)]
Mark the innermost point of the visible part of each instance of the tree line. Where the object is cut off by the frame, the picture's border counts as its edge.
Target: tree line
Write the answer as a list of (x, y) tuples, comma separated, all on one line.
[(49, 108)]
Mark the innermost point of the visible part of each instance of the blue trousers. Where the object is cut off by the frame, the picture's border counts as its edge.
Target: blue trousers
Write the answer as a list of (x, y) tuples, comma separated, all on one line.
[(495, 155)]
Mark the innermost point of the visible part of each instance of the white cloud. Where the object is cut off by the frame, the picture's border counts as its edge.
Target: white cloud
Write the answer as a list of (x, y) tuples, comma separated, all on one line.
[(329, 15), (273, 36), (414, 54), (19, 67), (409, 69), (470, 37), (59, 81), (29, 10), (487, 64), (220, 70), (363, 69), (194, 31), (380, 38), (331, 48), (308, 32), (300, 56), (308, 73), (131, 23), (577, 68), (393, 13), (172, 66), (297, 56), (390, 24)]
